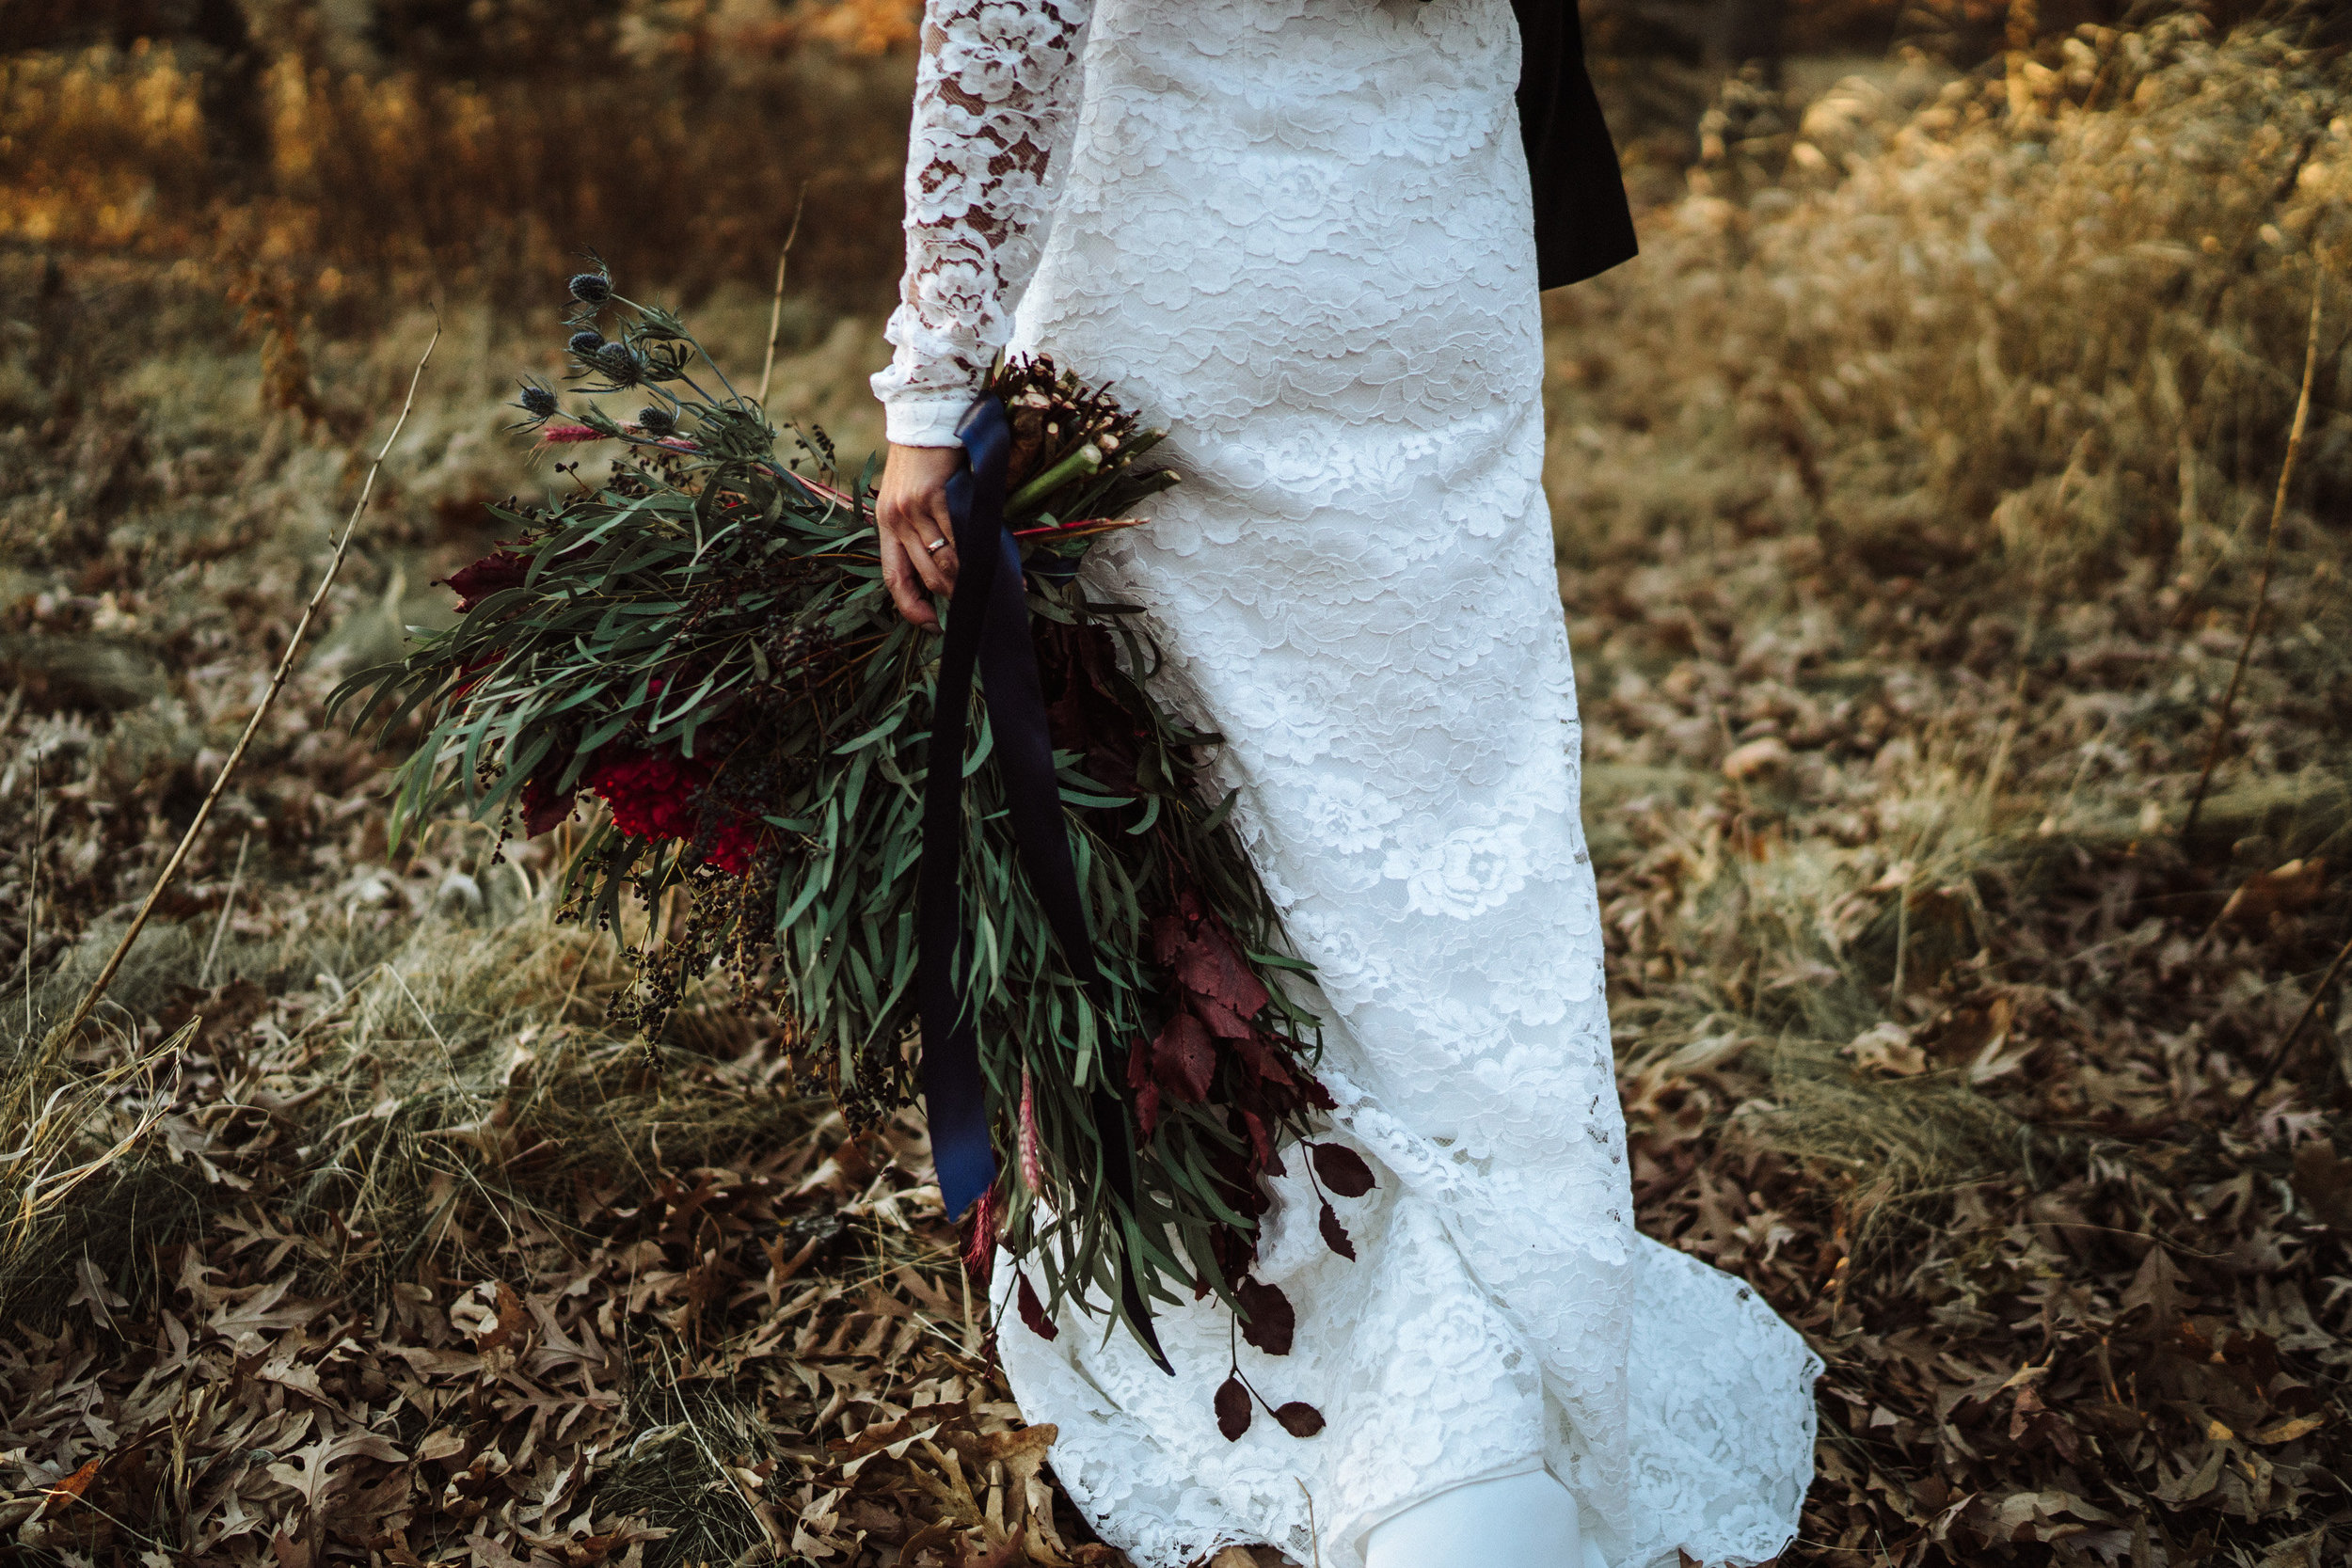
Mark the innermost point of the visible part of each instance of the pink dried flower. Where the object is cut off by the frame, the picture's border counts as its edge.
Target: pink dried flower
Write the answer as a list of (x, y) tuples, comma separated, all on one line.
[(1032, 1147)]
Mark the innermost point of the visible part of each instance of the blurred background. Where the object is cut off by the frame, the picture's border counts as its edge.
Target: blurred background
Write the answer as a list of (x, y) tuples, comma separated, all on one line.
[(1950, 512), (360, 147)]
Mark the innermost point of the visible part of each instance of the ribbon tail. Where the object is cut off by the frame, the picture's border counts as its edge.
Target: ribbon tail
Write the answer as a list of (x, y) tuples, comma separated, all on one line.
[(988, 634), (955, 1086)]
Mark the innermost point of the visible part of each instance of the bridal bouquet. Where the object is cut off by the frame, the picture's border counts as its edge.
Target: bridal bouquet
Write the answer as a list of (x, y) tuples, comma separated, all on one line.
[(702, 642)]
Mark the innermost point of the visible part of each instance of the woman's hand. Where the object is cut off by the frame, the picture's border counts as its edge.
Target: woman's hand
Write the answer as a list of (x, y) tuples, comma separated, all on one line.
[(919, 544)]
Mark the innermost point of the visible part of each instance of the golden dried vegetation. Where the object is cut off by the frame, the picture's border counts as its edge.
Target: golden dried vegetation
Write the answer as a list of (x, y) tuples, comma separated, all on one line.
[(1912, 495)]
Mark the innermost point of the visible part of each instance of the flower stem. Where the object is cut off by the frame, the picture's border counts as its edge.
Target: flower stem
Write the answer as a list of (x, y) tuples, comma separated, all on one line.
[(1085, 460)]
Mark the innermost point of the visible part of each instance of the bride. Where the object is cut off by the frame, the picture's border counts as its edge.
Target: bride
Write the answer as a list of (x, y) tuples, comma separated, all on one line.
[(1299, 235)]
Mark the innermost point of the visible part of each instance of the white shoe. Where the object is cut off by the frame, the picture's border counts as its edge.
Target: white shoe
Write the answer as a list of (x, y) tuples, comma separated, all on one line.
[(1523, 1520)]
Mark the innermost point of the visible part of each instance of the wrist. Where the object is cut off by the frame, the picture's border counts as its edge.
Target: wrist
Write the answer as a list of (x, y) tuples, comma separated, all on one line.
[(925, 421)]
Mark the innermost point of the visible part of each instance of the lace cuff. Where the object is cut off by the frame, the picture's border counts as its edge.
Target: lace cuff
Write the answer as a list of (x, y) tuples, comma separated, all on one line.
[(992, 100), (913, 418)]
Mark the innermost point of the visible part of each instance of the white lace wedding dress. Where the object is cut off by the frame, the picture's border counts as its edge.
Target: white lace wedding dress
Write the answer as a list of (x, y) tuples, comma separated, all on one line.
[(1297, 233)]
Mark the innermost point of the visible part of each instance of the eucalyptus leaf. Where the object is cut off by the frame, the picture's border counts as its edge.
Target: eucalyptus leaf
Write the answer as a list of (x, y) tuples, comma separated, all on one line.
[(704, 638)]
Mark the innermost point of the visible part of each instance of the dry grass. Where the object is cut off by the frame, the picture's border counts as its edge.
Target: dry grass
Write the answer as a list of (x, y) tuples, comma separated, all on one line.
[(678, 139), (1910, 494)]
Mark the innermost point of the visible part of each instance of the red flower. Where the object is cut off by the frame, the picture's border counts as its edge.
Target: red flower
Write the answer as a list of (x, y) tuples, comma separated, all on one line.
[(660, 794), (652, 794), (733, 845)]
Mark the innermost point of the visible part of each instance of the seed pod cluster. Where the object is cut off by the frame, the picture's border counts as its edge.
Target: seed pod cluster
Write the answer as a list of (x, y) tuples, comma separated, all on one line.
[(1055, 415)]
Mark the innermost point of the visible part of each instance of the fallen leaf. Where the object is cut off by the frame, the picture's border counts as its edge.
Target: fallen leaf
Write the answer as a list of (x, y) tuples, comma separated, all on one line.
[(2156, 1287), (1886, 1049), (90, 1290), (2285, 890), (66, 1491), (490, 1554), (2288, 1431), (1756, 758), (2323, 1181), (512, 1319)]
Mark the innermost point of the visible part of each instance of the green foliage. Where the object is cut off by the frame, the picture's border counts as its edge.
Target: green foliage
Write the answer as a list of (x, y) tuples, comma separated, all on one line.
[(704, 640)]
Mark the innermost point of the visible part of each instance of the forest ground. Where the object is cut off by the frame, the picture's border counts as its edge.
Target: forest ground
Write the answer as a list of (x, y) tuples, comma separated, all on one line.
[(1912, 493)]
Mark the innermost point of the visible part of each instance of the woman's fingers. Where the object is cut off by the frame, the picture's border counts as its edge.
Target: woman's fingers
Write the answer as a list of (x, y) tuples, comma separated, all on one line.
[(928, 536), (906, 591), (917, 538)]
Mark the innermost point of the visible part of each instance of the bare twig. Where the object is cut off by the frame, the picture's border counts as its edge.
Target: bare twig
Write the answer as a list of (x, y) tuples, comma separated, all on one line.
[(32, 900), (220, 927), (2270, 558), (449, 1058), (2286, 1042), (776, 308), (59, 1039)]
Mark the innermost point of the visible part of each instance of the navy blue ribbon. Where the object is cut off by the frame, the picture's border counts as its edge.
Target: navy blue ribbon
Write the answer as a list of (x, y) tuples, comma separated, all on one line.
[(988, 634)]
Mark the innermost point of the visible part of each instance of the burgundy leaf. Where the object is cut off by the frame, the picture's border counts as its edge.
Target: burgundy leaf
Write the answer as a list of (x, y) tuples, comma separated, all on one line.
[(1262, 1142), (1184, 1058), (1172, 930), (1299, 1418), (1269, 1322), (544, 808), (1033, 1312), (1318, 1095), (1232, 1253), (498, 570), (1228, 995), (1262, 1053), (1232, 1408), (1147, 1092), (1343, 1169), (1335, 1234)]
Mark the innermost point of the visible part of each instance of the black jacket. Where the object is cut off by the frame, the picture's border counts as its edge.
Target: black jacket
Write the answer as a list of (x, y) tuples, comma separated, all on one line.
[(1582, 221)]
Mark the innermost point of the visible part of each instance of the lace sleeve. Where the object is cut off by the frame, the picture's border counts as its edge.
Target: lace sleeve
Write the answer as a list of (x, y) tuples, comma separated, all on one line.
[(993, 97)]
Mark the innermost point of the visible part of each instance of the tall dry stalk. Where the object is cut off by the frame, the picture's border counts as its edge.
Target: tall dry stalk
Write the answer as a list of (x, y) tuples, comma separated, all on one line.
[(2294, 1032), (2270, 558), (58, 1039), (775, 306), (2025, 21)]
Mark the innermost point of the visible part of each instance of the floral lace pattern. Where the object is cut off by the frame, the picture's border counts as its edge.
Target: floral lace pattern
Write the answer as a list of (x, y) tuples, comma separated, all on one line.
[(992, 94), (1297, 232)]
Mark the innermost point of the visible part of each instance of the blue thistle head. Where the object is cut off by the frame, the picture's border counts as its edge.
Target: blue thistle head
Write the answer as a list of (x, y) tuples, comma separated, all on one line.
[(536, 401), (656, 421), (620, 364), (592, 288), (585, 342)]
